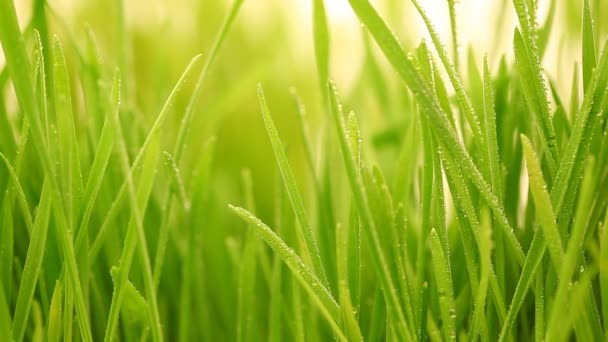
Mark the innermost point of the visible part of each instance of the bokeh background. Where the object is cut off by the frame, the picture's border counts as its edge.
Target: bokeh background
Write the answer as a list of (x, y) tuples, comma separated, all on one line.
[(272, 43)]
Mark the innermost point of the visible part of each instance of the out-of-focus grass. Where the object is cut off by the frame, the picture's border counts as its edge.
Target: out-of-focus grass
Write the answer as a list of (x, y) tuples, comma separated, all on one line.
[(400, 204)]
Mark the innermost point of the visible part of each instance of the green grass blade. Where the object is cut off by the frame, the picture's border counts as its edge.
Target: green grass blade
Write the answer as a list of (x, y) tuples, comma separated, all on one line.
[(538, 91), (349, 319), (54, 320), (68, 148), (292, 190), (319, 293), (379, 259), (603, 262), (589, 61), (540, 115), (247, 272), (454, 29), (445, 289), (542, 202), (33, 264), (321, 43), (5, 315), (463, 99)]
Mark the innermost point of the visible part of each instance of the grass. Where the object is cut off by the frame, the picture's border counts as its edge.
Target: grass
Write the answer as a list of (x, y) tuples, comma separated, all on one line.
[(151, 195)]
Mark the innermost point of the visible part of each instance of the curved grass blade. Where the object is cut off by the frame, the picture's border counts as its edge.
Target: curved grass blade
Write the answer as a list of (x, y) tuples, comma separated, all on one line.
[(33, 264), (444, 288), (319, 293), (292, 190), (542, 202)]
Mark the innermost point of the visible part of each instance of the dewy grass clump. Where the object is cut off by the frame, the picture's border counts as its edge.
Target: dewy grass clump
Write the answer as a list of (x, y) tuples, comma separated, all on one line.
[(443, 198)]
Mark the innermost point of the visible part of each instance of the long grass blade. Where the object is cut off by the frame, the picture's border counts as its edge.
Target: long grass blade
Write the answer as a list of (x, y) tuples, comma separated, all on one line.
[(319, 293), (33, 264), (292, 190), (444, 288)]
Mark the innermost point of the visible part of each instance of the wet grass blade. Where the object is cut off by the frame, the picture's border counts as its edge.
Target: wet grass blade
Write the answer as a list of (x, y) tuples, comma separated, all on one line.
[(529, 55), (463, 99), (540, 115), (542, 203), (445, 289), (313, 285), (292, 190), (379, 258)]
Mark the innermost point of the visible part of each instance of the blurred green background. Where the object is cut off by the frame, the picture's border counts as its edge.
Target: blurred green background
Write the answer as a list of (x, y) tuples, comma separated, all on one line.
[(272, 43)]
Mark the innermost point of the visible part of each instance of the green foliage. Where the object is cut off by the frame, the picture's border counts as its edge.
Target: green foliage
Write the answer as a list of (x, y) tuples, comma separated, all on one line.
[(436, 198)]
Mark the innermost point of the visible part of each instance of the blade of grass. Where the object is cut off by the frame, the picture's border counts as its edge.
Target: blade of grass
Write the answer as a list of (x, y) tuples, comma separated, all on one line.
[(5, 315), (528, 84), (463, 99), (445, 289), (589, 62), (33, 264), (66, 129), (369, 229), (538, 92), (603, 270), (319, 293), (351, 325), (292, 190), (454, 28), (247, 272), (542, 203), (54, 319)]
